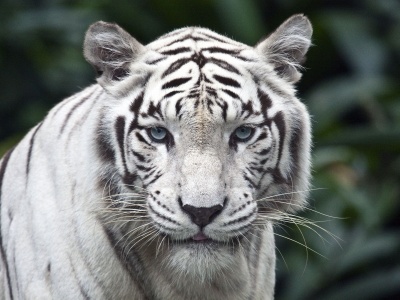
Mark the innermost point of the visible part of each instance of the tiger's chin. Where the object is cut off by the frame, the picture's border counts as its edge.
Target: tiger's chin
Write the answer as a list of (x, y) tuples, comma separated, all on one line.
[(203, 260)]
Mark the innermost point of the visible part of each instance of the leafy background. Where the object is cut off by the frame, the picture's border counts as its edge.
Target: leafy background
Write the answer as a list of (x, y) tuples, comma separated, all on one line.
[(351, 87)]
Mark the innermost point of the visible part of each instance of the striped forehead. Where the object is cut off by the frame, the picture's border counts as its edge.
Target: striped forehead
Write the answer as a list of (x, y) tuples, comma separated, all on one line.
[(199, 36), (200, 72)]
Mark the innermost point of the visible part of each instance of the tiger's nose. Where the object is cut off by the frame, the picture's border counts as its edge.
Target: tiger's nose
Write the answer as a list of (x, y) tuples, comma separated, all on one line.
[(202, 216)]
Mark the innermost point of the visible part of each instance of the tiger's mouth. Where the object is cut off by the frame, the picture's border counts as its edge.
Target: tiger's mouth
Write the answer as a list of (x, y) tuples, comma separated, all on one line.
[(198, 239), (201, 239)]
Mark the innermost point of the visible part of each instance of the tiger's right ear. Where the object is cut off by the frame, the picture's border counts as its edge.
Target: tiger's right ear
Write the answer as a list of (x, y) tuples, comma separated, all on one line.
[(110, 50)]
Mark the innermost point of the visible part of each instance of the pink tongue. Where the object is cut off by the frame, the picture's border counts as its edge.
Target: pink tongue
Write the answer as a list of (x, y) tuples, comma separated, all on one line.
[(199, 237)]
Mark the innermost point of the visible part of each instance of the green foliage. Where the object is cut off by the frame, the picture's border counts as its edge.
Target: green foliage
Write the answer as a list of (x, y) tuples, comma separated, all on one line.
[(351, 86)]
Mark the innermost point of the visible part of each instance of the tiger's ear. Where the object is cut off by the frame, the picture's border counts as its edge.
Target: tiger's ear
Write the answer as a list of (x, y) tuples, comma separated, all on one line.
[(287, 46), (110, 50)]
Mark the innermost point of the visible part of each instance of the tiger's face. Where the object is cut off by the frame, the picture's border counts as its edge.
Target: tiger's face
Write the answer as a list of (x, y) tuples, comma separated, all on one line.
[(208, 131), (201, 144)]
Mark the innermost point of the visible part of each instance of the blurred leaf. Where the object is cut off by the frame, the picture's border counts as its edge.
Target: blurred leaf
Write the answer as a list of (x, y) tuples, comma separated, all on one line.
[(389, 138), (352, 32), (68, 23), (363, 250), (376, 285), (330, 99), (241, 19)]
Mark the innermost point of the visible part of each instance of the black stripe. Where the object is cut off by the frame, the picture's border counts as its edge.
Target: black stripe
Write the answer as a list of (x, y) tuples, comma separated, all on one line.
[(153, 110), (205, 78), (69, 114), (178, 106), (153, 62), (63, 103), (129, 178), (139, 156), (120, 134), (31, 142), (210, 91), (257, 169), (247, 108), (262, 136), (154, 179), (252, 183), (184, 38), (209, 104), (226, 81), (3, 167), (264, 151), (280, 123), (221, 50), (176, 51), (137, 103), (194, 93), (241, 219), (175, 82), (143, 140), (232, 94), (278, 177), (161, 216), (265, 101), (143, 168), (165, 228), (224, 65), (154, 170), (175, 66), (224, 110), (248, 169)]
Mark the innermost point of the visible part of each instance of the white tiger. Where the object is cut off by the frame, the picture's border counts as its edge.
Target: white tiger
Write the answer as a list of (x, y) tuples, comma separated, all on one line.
[(163, 180)]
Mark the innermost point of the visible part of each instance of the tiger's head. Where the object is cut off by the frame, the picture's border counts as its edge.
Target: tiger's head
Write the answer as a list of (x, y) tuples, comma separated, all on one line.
[(203, 137)]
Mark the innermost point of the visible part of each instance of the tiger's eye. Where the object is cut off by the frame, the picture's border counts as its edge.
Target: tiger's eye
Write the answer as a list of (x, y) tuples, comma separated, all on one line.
[(243, 133), (158, 133)]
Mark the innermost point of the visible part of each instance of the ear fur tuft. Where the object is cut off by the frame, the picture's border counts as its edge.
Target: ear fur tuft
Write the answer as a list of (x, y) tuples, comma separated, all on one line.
[(110, 50), (287, 46)]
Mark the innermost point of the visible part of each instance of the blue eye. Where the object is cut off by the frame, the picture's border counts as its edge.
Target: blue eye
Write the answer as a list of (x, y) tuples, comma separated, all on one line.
[(158, 134), (243, 133)]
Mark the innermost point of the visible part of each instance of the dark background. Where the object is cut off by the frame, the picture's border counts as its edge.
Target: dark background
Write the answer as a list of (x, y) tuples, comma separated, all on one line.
[(351, 87)]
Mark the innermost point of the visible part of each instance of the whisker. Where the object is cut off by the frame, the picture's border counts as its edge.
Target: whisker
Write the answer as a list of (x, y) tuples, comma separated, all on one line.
[(145, 234), (289, 193), (299, 243), (283, 201), (294, 219)]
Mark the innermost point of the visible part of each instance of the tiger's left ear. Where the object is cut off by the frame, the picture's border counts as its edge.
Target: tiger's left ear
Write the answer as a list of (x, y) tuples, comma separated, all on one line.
[(110, 50), (287, 46)]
